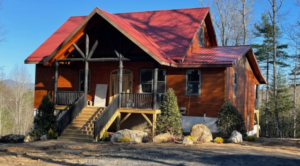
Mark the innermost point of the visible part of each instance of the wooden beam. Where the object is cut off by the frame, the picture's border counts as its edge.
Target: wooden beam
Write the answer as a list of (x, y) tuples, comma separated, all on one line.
[(55, 81), (87, 45), (147, 119), (93, 49), (118, 121), (125, 118), (155, 77), (79, 50), (120, 81), (154, 125)]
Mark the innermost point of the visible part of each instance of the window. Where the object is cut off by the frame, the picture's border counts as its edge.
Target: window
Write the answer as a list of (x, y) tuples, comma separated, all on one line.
[(234, 84), (201, 37), (81, 80), (146, 76), (193, 82), (146, 81)]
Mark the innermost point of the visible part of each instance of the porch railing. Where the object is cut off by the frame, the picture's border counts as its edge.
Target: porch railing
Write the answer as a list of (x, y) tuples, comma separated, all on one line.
[(107, 114), (67, 117), (136, 100), (66, 98)]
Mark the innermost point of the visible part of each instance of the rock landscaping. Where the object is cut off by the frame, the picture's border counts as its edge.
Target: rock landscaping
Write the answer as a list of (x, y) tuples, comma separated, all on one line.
[(235, 137), (12, 138), (201, 133), (134, 136), (161, 138)]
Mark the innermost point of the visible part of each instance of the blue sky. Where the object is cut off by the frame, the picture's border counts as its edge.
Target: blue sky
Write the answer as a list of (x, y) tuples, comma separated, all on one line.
[(29, 23)]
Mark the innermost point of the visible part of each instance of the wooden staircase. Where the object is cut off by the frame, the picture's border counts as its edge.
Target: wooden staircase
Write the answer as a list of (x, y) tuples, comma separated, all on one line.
[(82, 127)]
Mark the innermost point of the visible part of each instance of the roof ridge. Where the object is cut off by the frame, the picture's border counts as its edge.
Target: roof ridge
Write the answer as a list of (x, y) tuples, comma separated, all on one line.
[(147, 11), (163, 10)]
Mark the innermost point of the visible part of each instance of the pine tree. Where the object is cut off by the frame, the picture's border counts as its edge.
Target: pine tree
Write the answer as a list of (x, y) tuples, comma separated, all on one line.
[(279, 107), (45, 118), (170, 118), (229, 119), (264, 54)]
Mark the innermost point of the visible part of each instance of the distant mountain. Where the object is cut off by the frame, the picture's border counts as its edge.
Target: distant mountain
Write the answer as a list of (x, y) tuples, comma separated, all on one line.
[(27, 85)]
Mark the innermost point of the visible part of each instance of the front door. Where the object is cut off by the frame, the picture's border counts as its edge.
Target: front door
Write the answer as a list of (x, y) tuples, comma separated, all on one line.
[(114, 83)]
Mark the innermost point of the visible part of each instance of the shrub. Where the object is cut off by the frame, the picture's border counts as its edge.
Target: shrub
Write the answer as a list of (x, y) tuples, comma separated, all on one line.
[(45, 118), (124, 139), (170, 118), (250, 138), (51, 134), (229, 119), (218, 140), (105, 136), (190, 137)]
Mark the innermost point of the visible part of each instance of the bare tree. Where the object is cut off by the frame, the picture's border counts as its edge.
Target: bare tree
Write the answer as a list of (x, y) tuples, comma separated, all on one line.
[(18, 103), (231, 18), (245, 11), (2, 92), (273, 13)]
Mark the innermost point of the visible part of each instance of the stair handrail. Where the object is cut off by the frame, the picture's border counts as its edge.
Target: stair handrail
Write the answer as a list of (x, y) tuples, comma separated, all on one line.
[(106, 115), (68, 116)]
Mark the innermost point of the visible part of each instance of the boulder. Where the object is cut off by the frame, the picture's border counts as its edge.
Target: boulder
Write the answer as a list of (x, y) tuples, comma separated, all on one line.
[(43, 137), (235, 137), (12, 138), (134, 135), (161, 138), (201, 133), (187, 141), (28, 138)]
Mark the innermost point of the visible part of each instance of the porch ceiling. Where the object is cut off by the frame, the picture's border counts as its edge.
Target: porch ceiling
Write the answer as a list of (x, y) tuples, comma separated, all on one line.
[(66, 48)]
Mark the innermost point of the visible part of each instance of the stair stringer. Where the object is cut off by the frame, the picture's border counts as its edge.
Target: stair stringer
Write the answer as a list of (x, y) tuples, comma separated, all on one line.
[(108, 124)]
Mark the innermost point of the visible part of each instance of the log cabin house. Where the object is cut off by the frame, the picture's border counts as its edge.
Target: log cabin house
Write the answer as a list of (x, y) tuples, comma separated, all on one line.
[(105, 68)]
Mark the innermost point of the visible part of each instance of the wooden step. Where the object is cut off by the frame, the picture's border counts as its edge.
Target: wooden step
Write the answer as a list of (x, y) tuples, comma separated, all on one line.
[(75, 139), (81, 128), (77, 135), (70, 131), (83, 121), (82, 124)]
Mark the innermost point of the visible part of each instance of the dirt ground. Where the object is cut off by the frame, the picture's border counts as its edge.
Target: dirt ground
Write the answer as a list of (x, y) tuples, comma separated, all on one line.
[(262, 152)]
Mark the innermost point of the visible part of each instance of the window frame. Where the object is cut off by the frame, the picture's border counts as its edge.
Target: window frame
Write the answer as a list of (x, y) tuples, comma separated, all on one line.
[(200, 83), (235, 84), (89, 80)]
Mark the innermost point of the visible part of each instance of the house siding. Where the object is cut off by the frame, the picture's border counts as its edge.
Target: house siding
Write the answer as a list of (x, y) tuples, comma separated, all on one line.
[(245, 97), (209, 102)]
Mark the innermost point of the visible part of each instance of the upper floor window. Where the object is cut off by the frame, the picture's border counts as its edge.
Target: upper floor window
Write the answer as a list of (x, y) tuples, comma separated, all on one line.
[(81, 80), (201, 37), (234, 84), (193, 82)]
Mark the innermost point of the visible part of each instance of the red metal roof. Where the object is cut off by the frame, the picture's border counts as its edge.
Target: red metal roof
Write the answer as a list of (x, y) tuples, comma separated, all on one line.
[(215, 55), (165, 32), (55, 39)]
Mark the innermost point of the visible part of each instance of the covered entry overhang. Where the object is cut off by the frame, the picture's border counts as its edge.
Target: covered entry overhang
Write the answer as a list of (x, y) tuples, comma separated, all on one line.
[(103, 37)]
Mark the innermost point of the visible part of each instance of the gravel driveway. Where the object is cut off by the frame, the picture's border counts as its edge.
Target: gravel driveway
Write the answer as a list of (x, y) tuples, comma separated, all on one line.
[(71, 153)]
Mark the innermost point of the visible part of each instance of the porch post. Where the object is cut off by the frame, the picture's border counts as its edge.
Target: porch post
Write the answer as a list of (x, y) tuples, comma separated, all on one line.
[(155, 86), (120, 79), (55, 81), (86, 72)]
